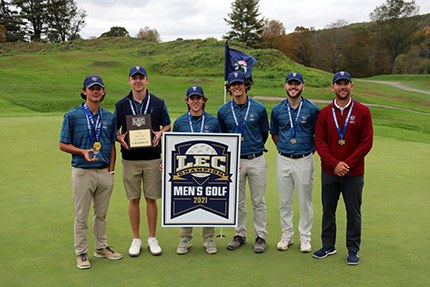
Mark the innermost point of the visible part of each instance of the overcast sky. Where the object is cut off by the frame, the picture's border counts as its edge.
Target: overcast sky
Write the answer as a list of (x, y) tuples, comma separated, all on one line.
[(200, 19)]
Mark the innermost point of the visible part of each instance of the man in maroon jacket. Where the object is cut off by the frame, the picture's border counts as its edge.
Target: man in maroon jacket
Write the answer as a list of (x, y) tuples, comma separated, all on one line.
[(343, 137)]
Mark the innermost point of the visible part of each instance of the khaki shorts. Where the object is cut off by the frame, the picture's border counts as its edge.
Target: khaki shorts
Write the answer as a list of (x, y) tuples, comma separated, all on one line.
[(136, 172)]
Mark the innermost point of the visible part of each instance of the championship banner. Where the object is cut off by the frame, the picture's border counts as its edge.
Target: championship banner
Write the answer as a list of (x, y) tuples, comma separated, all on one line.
[(200, 179)]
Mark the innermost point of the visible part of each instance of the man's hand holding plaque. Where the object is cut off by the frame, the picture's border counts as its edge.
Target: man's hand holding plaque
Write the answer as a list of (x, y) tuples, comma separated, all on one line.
[(139, 132)]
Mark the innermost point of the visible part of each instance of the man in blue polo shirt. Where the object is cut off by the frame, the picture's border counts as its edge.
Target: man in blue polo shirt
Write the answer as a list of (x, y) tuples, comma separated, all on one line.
[(248, 117), (292, 127), (196, 120), (89, 134)]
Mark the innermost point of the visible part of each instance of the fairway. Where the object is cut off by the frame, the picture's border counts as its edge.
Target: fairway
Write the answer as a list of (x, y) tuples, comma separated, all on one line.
[(36, 230)]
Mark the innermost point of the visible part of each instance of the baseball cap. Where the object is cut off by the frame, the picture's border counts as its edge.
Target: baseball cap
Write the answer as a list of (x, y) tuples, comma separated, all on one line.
[(195, 90), (294, 76), (342, 76), (93, 80), (137, 70), (236, 76)]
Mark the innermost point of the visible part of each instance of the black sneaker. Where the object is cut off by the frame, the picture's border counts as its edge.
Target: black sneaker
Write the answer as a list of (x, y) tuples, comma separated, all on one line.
[(236, 242), (352, 259), (260, 245)]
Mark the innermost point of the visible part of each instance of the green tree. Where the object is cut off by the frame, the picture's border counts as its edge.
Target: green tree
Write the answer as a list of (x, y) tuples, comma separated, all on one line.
[(245, 24), (116, 32), (149, 34), (34, 12), (10, 24), (395, 30), (357, 54), (64, 20)]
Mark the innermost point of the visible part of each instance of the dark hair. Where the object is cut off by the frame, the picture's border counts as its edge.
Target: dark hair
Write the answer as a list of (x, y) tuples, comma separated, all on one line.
[(85, 97), (248, 84), (205, 98)]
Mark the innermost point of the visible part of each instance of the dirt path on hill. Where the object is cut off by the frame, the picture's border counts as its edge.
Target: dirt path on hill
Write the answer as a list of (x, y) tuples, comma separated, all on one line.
[(397, 85)]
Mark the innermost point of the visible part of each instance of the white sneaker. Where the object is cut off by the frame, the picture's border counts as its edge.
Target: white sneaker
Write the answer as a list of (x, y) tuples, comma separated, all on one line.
[(135, 247), (305, 246), (153, 247), (284, 243)]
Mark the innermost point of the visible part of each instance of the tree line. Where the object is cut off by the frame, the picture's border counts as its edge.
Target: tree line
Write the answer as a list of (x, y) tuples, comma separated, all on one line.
[(396, 41)]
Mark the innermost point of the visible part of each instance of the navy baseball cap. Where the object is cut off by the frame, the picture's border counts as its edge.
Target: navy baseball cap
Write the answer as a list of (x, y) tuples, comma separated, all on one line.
[(342, 76), (195, 90), (294, 76), (137, 70), (93, 80), (236, 76)]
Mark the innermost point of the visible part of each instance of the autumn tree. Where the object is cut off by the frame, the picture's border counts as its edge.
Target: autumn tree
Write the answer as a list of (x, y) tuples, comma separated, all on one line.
[(357, 54), (331, 41), (395, 29), (300, 46), (149, 34), (273, 34), (245, 24)]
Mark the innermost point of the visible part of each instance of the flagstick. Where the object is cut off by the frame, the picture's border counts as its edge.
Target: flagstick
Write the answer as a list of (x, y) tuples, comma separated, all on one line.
[(225, 99), (225, 92)]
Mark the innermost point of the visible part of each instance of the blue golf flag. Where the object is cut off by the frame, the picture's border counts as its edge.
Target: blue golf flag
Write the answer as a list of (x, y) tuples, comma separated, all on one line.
[(236, 60)]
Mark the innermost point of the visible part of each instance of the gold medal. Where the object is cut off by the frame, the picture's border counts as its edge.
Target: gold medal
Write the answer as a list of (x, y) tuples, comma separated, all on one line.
[(243, 139), (341, 142), (97, 145), (293, 141)]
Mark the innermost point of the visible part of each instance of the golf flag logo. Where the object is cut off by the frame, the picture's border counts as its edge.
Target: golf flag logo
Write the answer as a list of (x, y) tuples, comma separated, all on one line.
[(238, 61)]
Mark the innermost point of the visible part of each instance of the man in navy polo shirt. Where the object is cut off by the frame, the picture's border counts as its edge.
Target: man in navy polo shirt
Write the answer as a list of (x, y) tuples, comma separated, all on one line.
[(292, 127), (196, 120), (89, 134), (248, 117), (140, 167)]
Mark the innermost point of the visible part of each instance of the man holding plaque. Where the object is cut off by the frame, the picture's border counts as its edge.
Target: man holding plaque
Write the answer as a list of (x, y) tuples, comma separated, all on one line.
[(89, 133), (292, 127), (196, 120), (343, 137), (139, 118), (249, 118)]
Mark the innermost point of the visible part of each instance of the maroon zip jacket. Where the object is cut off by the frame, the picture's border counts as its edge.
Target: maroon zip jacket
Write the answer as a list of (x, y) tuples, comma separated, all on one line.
[(358, 138)]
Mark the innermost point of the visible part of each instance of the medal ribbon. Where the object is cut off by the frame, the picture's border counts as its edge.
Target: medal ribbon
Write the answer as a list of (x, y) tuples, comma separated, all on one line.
[(191, 124), (240, 130), (293, 124), (90, 123), (133, 110), (346, 120)]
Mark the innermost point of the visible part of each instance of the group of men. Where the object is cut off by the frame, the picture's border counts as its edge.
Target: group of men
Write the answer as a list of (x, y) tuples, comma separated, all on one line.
[(342, 134)]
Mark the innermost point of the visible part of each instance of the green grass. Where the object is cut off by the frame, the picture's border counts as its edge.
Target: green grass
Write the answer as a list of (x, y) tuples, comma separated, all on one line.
[(421, 82), (36, 238), (40, 82)]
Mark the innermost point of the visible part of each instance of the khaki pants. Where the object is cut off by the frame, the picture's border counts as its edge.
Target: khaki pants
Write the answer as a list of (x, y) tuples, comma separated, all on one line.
[(96, 185), (256, 172), (187, 233)]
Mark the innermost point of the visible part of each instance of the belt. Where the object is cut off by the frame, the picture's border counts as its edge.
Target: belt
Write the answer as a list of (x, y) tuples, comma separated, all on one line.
[(251, 156), (293, 155)]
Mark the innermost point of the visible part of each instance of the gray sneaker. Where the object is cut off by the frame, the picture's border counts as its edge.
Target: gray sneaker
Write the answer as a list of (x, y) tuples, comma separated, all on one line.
[(183, 247), (236, 242), (210, 246), (260, 245)]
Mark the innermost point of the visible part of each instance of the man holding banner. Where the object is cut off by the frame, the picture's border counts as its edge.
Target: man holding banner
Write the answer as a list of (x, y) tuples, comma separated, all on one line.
[(140, 164), (249, 118), (196, 120)]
